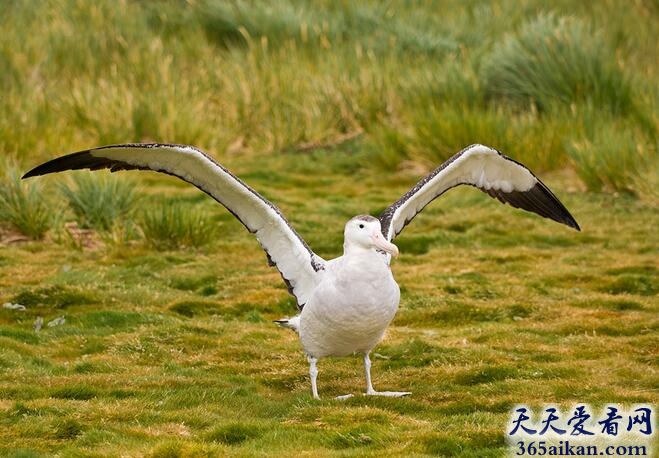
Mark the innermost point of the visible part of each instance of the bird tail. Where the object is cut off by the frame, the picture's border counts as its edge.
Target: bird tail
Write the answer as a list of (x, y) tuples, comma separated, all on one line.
[(290, 323)]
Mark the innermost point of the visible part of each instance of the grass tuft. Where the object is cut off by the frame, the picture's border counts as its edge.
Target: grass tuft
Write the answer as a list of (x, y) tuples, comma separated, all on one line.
[(109, 321), (239, 25), (68, 429), (486, 375), (20, 335), (557, 60), (23, 206), (633, 284), (195, 308), (615, 160), (172, 225), (75, 392), (24, 453), (443, 445), (58, 297), (233, 433), (355, 437), (100, 202), (205, 285)]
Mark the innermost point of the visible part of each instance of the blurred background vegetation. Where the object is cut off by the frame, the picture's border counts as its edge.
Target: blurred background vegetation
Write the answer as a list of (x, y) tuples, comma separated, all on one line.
[(565, 84)]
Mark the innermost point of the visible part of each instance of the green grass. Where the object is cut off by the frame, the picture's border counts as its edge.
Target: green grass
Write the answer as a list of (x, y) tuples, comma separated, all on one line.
[(100, 202), (22, 205), (557, 61), (171, 353), (171, 225), (168, 349), (408, 83), (615, 160)]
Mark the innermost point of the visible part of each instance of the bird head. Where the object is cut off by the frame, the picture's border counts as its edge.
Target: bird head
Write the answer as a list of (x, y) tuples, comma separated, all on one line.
[(364, 232)]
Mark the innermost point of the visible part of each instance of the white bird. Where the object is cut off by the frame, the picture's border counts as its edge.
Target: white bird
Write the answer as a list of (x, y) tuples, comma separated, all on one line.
[(346, 303)]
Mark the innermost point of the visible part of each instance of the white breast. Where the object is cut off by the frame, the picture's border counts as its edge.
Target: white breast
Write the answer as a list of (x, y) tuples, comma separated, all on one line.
[(351, 307)]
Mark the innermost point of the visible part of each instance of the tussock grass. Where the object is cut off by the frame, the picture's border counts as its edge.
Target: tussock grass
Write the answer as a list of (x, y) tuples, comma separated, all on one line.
[(615, 160), (408, 83), (557, 61), (22, 205), (327, 25), (100, 202), (172, 225)]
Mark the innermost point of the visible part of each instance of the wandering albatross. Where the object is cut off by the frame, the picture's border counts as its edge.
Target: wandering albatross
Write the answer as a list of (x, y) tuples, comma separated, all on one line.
[(345, 304)]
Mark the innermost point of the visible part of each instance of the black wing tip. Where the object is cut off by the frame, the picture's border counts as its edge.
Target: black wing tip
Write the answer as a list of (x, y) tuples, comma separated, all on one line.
[(568, 220), (539, 200), (84, 159), (71, 161), (543, 202), (571, 222), (559, 212)]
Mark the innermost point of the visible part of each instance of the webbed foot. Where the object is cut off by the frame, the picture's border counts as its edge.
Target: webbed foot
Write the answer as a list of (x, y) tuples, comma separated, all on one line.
[(390, 394)]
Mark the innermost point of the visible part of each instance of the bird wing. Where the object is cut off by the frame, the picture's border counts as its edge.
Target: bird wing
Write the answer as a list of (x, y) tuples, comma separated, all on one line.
[(486, 169), (299, 266)]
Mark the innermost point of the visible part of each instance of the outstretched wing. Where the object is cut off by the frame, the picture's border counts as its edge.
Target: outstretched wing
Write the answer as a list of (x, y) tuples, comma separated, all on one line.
[(486, 169), (299, 266)]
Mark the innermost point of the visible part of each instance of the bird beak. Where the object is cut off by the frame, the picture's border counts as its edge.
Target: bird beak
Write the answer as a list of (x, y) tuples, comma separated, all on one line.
[(383, 244)]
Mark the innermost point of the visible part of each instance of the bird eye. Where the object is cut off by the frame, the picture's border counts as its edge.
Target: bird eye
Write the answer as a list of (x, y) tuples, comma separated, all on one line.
[(361, 226)]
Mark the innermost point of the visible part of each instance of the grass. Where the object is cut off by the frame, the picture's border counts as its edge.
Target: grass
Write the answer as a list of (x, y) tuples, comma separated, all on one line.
[(173, 353), (22, 205), (409, 85), (329, 111), (171, 225), (557, 61), (602, 167), (99, 202)]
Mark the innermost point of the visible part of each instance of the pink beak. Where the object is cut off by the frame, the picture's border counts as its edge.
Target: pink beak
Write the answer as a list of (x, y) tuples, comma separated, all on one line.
[(383, 244)]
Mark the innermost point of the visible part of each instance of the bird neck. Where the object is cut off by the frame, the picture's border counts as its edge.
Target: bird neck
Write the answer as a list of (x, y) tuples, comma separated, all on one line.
[(352, 249)]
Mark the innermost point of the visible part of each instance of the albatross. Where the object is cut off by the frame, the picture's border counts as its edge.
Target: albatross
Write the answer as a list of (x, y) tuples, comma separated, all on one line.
[(345, 304)]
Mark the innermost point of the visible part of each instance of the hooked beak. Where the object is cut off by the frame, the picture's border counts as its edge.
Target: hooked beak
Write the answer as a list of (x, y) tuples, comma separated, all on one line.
[(383, 244)]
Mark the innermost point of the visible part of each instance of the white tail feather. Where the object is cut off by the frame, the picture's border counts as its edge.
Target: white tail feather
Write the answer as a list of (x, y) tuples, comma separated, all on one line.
[(290, 323)]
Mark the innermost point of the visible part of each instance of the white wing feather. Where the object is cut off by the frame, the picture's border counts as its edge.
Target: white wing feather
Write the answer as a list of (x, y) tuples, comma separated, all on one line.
[(299, 266), (486, 169)]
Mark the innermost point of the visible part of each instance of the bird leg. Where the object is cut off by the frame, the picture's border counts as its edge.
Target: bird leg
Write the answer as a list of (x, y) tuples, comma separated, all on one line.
[(369, 385), (313, 373)]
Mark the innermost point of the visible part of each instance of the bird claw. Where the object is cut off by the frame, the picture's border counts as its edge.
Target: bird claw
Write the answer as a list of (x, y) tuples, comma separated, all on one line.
[(390, 394), (344, 397)]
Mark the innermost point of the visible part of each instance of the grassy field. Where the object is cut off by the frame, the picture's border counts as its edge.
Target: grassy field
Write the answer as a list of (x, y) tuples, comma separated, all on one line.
[(167, 347)]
